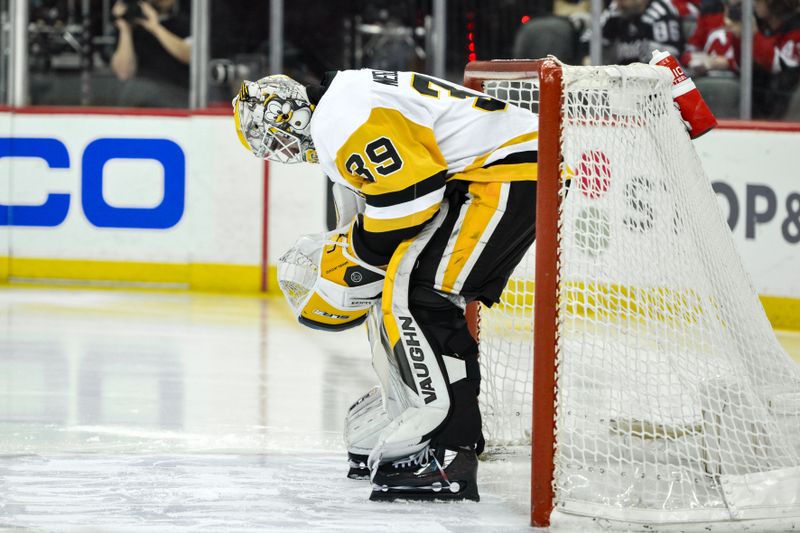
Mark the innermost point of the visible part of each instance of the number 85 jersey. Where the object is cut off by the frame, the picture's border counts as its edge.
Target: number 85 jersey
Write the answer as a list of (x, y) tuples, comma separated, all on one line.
[(397, 138)]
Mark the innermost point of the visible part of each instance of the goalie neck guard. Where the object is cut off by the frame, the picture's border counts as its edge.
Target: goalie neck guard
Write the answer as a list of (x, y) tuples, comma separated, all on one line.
[(325, 285), (273, 120)]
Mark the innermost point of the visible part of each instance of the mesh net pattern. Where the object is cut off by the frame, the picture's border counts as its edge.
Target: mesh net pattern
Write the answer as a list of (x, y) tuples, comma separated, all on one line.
[(673, 391), (506, 330)]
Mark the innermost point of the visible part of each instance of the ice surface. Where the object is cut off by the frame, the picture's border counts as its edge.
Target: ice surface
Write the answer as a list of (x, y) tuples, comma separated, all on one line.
[(147, 411), (160, 412), (280, 491)]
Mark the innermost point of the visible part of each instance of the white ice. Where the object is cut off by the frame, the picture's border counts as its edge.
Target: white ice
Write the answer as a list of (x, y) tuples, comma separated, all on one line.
[(158, 411)]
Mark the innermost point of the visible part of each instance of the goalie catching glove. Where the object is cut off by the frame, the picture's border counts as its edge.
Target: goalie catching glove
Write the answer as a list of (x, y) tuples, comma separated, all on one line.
[(325, 283)]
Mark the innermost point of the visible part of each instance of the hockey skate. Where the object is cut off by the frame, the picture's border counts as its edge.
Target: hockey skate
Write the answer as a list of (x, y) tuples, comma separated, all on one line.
[(358, 466), (431, 474)]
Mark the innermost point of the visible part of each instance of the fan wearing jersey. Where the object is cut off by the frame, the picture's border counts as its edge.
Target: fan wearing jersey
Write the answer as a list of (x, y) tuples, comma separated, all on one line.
[(447, 181), (776, 57), (633, 29), (722, 47)]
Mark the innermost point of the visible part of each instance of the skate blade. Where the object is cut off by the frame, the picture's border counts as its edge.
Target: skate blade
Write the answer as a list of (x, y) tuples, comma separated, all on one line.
[(358, 473), (466, 491)]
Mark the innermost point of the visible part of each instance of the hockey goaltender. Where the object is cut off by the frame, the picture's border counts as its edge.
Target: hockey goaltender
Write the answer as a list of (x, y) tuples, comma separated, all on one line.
[(435, 186)]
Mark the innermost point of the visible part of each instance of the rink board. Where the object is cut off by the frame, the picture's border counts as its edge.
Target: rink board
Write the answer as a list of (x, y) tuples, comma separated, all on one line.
[(169, 200), (103, 205)]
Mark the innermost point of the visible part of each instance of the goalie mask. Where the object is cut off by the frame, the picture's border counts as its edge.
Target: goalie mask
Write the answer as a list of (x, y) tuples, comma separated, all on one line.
[(326, 286), (273, 120)]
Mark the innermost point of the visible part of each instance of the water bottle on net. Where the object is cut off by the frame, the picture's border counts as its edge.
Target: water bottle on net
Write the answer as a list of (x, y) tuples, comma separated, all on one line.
[(694, 110)]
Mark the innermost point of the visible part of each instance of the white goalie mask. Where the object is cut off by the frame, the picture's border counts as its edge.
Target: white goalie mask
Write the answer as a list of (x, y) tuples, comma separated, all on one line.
[(273, 120), (326, 287)]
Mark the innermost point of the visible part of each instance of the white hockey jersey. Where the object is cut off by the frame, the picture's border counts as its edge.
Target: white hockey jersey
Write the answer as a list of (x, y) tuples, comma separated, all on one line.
[(396, 138)]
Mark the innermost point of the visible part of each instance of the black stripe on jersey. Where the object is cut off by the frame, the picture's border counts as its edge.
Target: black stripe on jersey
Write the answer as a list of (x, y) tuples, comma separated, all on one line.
[(659, 9), (377, 248), (674, 10), (421, 188), (515, 158), (456, 196), (512, 237), (504, 249)]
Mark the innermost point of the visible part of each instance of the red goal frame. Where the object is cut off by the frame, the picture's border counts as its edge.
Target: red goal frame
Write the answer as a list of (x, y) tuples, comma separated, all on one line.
[(548, 72)]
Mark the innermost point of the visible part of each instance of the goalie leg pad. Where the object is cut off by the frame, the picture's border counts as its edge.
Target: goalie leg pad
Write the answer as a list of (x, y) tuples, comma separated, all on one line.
[(364, 422), (371, 413), (385, 366), (432, 351), (365, 419), (444, 324), (422, 388)]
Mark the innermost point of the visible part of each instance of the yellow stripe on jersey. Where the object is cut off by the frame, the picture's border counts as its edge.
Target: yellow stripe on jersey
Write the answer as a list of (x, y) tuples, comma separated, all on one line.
[(374, 172), (481, 160), (484, 203), (380, 225), (392, 331), (501, 172)]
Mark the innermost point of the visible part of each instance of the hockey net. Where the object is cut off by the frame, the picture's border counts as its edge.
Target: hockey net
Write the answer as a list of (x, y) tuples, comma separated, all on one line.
[(662, 394)]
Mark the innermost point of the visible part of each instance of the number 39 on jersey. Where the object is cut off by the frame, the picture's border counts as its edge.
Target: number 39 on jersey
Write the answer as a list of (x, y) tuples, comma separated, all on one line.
[(381, 158)]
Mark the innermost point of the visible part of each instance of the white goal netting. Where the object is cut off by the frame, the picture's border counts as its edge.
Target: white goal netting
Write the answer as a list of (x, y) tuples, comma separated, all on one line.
[(675, 402)]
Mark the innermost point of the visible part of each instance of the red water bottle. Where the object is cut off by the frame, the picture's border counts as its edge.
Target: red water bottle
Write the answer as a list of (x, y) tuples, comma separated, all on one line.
[(694, 110)]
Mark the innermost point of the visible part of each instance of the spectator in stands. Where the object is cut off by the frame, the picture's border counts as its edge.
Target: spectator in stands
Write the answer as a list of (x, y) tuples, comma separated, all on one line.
[(711, 17), (722, 47), (776, 56), (152, 53), (632, 29)]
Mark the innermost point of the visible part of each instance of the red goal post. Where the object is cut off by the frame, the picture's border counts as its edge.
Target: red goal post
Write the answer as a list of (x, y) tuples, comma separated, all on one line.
[(548, 74)]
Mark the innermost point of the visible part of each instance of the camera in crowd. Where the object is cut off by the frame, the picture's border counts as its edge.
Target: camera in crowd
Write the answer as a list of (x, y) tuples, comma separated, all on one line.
[(133, 11)]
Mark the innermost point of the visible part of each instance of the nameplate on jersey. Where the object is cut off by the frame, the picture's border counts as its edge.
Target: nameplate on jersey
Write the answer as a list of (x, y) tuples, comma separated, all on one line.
[(385, 77)]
